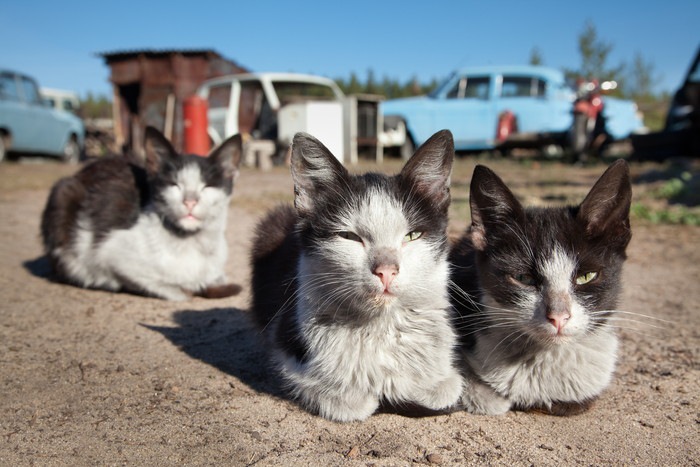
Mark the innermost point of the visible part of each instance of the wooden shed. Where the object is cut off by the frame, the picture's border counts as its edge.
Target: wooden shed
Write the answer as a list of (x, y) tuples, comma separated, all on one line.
[(150, 86)]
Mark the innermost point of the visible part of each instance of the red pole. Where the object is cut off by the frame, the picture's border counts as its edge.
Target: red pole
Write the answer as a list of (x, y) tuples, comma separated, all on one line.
[(195, 121)]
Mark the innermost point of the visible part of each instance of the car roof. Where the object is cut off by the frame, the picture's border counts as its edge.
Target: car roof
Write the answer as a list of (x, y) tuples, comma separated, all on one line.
[(276, 77), (273, 76), (16, 73), (548, 73)]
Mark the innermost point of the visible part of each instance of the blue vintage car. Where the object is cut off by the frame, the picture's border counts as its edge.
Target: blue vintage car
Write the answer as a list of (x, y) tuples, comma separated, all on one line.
[(471, 102), (29, 124)]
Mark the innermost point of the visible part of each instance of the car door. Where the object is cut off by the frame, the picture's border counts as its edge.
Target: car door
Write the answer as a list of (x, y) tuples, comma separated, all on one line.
[(16, 114), (49, 132), (467, 110), (524, 95)]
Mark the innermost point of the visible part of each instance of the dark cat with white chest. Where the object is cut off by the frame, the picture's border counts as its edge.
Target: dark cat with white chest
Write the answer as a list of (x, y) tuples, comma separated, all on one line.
[(157, 230), (350, 287), (539, 287)]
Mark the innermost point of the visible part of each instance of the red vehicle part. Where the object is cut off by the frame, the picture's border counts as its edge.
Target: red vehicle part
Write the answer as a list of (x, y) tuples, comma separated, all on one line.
[(194, 111), (507, 125)]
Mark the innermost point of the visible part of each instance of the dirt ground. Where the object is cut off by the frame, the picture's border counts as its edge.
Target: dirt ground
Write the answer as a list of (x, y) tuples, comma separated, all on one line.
[(96, 378)]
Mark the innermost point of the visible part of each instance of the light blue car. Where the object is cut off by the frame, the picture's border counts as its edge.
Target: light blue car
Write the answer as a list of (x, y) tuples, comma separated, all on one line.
[(471, 102), (29, 124)]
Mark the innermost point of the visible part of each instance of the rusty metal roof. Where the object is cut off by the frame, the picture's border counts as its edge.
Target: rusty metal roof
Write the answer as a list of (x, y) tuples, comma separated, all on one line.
[(131, 53)]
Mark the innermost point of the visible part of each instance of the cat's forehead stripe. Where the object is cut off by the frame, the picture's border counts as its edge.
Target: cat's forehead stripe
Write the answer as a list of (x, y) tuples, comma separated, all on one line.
[(558, 268), (190, 175)]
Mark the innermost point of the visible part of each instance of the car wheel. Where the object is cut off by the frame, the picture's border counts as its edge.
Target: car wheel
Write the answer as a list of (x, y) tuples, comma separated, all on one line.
[(3, 149), (71, 152)]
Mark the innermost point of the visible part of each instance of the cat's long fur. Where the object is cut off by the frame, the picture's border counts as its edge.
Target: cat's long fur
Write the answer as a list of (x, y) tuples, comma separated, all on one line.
[(355, 314), (157, 230), (532, 337)]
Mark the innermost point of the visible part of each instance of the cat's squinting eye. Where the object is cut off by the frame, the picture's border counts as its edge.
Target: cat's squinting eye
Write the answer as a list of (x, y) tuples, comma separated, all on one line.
[(524, 279), (586, 278), (409, 237), (346, 234)]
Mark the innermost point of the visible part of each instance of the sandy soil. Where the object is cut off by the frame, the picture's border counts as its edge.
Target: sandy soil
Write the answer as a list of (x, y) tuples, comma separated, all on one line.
[(95, 378)]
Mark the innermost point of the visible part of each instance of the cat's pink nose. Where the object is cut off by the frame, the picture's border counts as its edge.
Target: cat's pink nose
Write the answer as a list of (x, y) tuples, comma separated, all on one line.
[(190, 204), (558, 320), (386, 274)]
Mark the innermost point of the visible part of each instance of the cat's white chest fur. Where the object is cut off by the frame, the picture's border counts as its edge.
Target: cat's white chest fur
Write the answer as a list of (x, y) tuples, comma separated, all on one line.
[(150, 257), (572, 371), (397, 355), (401, 356)]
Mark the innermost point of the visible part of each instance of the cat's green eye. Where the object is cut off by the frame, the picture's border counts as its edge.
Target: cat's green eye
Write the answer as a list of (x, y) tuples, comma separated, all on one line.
[(409, 237), (346, 234), (586, 278), (524, 279)]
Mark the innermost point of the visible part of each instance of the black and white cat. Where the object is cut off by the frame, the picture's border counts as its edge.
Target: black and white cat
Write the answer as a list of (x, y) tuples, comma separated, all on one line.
[(350, 287), (157, 231), (537, 289)]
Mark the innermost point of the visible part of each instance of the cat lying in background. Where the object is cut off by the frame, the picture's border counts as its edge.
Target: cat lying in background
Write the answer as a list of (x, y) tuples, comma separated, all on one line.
[(536, 291), (157, 231), (350, 288)]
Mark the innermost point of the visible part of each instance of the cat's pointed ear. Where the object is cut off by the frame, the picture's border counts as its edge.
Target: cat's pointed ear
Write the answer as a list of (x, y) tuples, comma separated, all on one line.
[(157, 148), (606, 208), (228, 155), (428, 170), (314, 171), (493, 206)]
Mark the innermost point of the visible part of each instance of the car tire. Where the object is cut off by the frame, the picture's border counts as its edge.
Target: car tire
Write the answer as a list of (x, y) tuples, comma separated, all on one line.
[(3, 148), (71, 152)]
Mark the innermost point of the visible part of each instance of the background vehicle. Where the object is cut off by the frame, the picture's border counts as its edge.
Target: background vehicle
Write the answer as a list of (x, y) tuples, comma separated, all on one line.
[(588, 134), (272, 107), (684, 113), (681, 133), (29, 124), (61, 99), (498, 106)]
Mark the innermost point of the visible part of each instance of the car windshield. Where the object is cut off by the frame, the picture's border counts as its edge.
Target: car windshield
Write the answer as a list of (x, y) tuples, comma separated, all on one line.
[(291, 91), (438, 90)]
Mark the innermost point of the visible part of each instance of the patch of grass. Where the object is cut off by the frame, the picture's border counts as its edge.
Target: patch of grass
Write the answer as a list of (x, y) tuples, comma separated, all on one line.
[(674, 188), (677, 215)]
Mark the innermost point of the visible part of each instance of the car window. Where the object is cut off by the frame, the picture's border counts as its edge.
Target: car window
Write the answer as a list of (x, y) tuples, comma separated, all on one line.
[(31, 94), (470, 88), (249, 105), (540, 88), (219, 96), (522, 86), (477, 87), (8, 87), (457, 90), (289, 91)]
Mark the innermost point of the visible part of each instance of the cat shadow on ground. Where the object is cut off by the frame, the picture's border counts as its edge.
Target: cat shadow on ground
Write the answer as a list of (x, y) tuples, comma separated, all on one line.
[(39, 267), (225, 339)]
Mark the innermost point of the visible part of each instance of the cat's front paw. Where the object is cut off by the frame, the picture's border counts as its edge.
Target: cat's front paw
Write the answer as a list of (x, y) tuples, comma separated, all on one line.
[(478, 398), (347, 409), (443, 395)]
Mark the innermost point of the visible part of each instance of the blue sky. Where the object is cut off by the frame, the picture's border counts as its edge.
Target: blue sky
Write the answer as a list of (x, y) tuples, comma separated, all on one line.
[(56, 42)]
